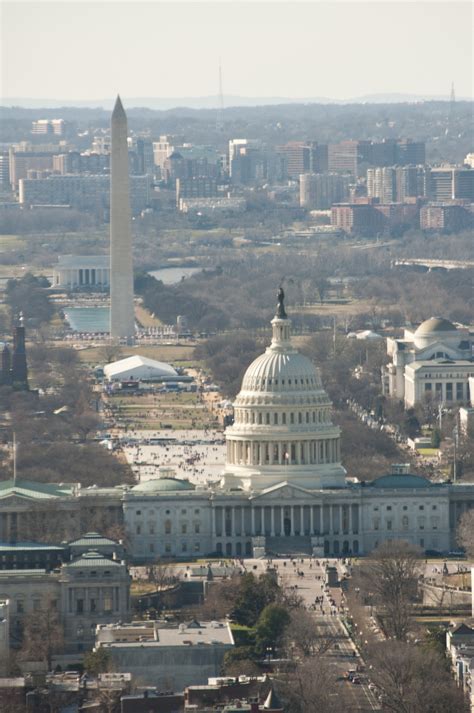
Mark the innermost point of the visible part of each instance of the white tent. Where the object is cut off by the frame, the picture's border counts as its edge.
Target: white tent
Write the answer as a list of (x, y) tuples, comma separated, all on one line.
[(139, 368)]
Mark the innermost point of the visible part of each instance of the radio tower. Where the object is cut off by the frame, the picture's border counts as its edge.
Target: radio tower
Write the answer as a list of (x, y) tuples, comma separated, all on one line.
[(452, 107), (220, 105)]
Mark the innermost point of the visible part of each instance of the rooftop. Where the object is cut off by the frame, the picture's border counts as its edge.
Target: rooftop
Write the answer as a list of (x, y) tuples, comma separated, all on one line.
[(34, 490), (75, 261), (136, 361), (159, 634), (93, 559)]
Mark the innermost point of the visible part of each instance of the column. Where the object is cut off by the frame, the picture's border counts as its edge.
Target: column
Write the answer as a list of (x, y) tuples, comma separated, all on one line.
[(260, 453), (311, 519), (232, 521), (272, 521), (349, 519), (301, 519), (280, 454), (292, 516), (307, 453), (252, 510), (298, 452), (282, 520), (330, 520)]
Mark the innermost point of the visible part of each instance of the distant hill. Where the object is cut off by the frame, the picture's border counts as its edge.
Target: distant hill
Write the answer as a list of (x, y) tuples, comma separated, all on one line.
[(210, 102)]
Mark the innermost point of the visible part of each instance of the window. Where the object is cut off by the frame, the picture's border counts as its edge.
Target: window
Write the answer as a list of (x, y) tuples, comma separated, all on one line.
[(405, 507), (376, 523), (151, 547), (267, 419), (79, 606), (152, 529), (197, 546), (283, 418), (389, 507), (449, 391), (93, 605), (20, 606), (167, 512), (405, 522), (138, 512), (138, 530), (434, 507), (422, 507), (167, 547), (292, 417), (183, 512), (275, 418), (36, 604), (167, 527), (459, 391), (389, 524), (428, 386), (197, 528), (184, 547), (107, 604), (184, 529), (196, 512)]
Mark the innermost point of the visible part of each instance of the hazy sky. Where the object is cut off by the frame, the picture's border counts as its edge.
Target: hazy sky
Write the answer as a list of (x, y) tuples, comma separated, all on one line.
[(92, 50)]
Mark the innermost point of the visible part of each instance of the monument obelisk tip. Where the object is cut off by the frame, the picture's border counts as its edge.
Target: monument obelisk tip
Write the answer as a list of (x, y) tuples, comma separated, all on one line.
[(119, 111)]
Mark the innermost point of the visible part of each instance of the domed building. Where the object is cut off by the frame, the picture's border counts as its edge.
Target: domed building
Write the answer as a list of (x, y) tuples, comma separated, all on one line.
[(283, 489), (282, 421), (435, 362)]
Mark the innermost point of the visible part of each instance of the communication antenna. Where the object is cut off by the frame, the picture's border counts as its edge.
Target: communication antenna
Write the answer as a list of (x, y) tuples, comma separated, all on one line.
[(220, 100), (452, 108)]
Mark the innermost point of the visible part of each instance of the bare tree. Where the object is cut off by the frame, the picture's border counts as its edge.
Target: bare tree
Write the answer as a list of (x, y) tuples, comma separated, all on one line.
[(43, 634), (391, 575), (304, 637), (414, 680), (109, 352), (465, 532)]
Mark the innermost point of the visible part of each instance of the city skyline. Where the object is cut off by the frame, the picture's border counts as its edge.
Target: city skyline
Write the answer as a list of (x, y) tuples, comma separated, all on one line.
[(295, 51)]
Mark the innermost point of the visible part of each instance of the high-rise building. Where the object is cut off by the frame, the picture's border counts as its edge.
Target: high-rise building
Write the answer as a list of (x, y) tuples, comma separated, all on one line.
[(381, 184), (304, 157), (195, 187), (451, 183), (122, 319), (318, 191), (411, 182), (409, 152), (49, 127), (348, 157), (4, 170), (22, 161)]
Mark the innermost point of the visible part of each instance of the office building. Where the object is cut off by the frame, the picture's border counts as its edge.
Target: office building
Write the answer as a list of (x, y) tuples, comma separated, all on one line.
[(451, 183), (49, 127), (195, 187), (84, 192), (4, 170), (382, 184), (318, 191), (20, 162), (304, 157)]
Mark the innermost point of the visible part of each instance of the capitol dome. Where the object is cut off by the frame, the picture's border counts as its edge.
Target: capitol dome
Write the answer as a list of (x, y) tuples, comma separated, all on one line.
[(282, 420), (162, 485)]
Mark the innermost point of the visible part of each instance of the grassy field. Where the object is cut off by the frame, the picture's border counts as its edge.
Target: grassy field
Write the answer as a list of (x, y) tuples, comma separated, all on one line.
[(145, 318), (11, 242), (170, 354), (180, 410)]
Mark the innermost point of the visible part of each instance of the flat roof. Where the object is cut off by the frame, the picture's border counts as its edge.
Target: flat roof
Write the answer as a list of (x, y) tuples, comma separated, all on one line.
[(191, 634)]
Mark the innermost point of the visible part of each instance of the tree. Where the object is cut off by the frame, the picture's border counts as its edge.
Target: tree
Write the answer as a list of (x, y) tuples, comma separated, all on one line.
[(304, 636), (253, 595), (43, 634), (435, 438), (414, 680), (390, 573), (97, 661), (465, 532), (270, 627), (109, 352)]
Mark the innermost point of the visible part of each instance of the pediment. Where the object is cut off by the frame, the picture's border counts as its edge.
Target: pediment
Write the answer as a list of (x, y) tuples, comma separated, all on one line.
[(434, 347), (282, 491), (8, 502)]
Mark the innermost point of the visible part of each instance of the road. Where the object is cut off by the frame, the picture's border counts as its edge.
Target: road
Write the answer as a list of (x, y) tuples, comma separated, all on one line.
[(342, 653)]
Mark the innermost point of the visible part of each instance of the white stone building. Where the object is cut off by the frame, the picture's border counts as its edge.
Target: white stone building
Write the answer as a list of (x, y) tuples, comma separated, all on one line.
[(284, 488), (73, 272), (433, 362)]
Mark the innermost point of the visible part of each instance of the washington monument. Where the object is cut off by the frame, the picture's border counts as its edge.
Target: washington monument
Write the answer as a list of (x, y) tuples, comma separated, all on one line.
[(122, 321)]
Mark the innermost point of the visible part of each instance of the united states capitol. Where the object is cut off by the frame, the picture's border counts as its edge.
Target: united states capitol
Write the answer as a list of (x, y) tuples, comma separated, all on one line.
[(283, 488)]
